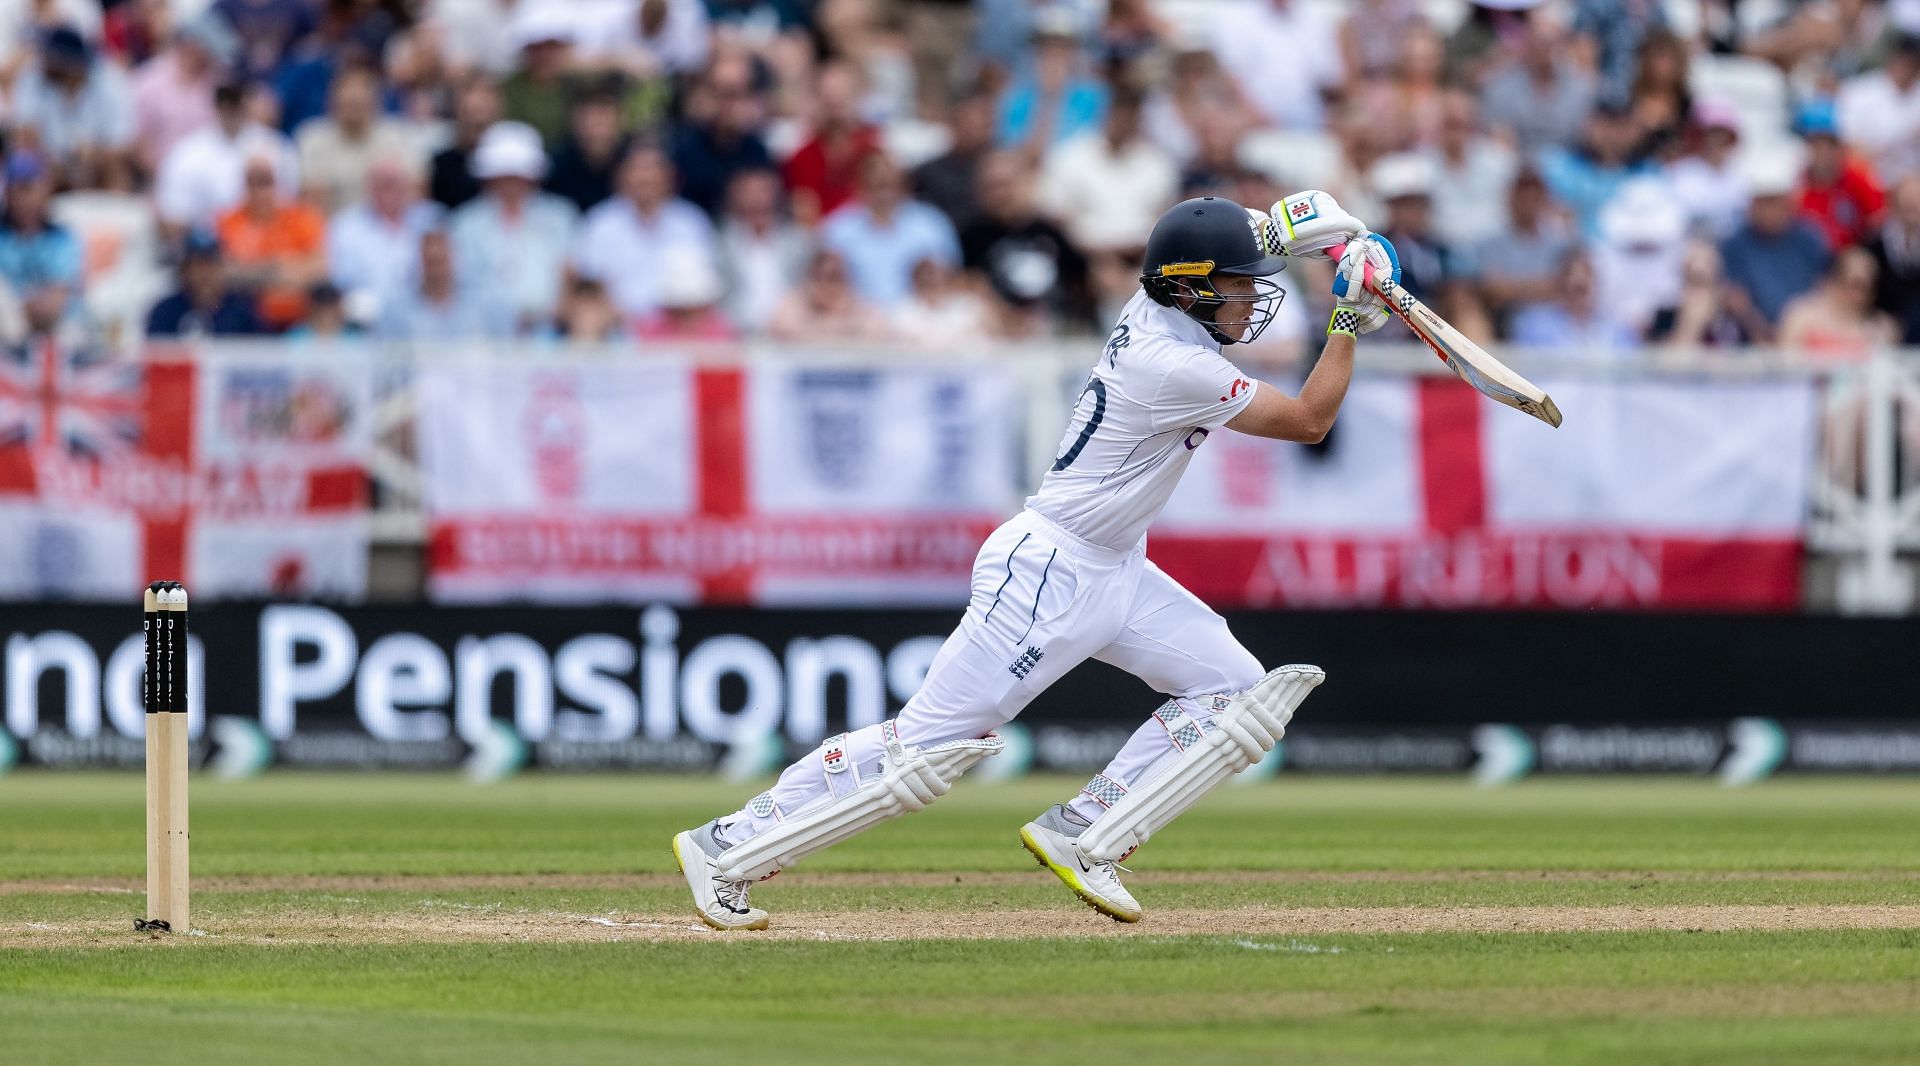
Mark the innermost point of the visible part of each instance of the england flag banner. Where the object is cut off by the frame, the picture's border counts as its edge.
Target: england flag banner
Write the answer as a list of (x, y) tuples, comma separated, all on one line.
[(1656, 494), (241, 473), (589, 481)]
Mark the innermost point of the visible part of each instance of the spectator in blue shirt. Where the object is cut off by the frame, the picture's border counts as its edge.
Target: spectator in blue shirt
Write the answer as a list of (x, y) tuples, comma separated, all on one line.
[(39, 260), (205, 304), (883, 233), (1776, 255), (1585, 177), (1058, 99)]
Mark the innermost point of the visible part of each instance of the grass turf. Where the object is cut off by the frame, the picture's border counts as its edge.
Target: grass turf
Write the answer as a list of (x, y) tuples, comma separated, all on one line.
[(71, 847)]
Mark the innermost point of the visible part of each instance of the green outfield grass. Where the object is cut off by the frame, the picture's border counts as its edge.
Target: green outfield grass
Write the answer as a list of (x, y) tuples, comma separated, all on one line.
[(421, 919)]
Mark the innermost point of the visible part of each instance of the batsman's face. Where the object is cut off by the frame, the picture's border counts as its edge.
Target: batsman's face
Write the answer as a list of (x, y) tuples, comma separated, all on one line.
[(1234, 315)]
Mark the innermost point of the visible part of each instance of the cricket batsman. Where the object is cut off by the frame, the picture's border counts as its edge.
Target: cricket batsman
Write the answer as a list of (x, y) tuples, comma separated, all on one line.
[(1067, 579)]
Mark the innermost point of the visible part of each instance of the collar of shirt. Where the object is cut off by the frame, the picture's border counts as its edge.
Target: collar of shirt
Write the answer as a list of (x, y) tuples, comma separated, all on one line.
[(1171, 322)]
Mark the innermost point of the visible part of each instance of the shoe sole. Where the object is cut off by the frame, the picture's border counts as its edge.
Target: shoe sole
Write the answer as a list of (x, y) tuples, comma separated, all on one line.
[(1072, 880), (681, 863)]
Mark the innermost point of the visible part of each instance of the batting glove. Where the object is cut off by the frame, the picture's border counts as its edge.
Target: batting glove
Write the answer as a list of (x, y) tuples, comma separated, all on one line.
[(1358, 309), (1307, 224)]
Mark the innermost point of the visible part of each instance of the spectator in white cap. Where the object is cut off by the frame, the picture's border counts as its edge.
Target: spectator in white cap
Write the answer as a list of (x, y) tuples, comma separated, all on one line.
[(1776, 255), (510, 244), (1433, 270), (688, 308), (1637, 260), (1708, 183)]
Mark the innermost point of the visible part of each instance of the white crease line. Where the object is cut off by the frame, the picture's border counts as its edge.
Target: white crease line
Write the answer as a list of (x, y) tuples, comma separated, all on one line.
[(1300, 946)]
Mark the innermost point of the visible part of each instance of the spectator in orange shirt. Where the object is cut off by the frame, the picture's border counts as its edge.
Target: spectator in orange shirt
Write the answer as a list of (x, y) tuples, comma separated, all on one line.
[(1839, 193), (825, 172), (275, 247)]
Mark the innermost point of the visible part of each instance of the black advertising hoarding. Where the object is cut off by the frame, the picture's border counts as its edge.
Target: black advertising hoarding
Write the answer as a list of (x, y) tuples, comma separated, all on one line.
[(673, 688)]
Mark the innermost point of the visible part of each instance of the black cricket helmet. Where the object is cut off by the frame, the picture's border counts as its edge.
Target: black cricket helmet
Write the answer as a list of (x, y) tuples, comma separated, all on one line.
[(1203, 238)]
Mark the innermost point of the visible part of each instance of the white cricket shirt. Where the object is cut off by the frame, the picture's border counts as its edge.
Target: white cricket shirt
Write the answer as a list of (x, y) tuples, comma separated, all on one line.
[(1159, 387)]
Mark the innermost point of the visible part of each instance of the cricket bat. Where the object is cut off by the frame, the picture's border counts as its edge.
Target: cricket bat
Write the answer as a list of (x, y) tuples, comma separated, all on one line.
[(1467, 360)]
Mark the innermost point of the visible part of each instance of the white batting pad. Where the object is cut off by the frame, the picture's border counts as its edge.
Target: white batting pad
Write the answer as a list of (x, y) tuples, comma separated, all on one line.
[(1242, 731), (884, 778)]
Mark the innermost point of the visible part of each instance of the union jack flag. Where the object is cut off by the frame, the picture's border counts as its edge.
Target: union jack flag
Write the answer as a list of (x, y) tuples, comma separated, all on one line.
[(74, 399)]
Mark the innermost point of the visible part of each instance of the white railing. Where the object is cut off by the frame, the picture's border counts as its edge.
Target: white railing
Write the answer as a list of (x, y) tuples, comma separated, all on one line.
[(1864, 510)]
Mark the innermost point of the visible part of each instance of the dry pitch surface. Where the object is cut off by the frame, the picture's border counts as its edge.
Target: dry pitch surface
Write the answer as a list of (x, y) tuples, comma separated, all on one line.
[(1368, 920)]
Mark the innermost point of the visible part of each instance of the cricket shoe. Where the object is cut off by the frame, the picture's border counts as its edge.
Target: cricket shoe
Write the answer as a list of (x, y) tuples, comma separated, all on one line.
[(722, 903), (1052, 840)]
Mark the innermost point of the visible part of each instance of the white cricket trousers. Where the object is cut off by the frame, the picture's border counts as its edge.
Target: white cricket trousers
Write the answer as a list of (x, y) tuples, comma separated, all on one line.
[(1043, 602)]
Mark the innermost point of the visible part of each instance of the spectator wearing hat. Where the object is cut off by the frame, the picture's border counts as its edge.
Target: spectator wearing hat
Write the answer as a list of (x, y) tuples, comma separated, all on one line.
[(336, 151), (1637, 261), (1838, 191), (823, 172), (687, 310), (721, 136), (39, 260), (173, 91), (629, 242), (1895, 248), (585, 163), (373, 247), (205, 304), (1107, 186), (762, 254), (1878, 113), (78, 112), (511, 242), (1775, 255), (1542, 97), (885, 232), (1586, 177), (1708, 183), (1432, 269), (476, 106), (201, 177), (1290, 94), (1057, 99), (437, 307), (538, 91), (273, 245)]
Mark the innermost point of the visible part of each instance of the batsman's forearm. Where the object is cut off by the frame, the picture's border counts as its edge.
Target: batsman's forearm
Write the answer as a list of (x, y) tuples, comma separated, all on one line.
[(1326, 386)]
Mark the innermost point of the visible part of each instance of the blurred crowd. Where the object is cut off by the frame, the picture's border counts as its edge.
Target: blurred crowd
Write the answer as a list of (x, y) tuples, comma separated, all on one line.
[(1578, 175)]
